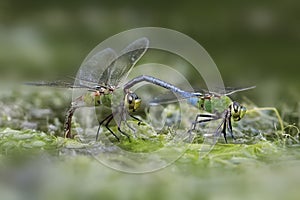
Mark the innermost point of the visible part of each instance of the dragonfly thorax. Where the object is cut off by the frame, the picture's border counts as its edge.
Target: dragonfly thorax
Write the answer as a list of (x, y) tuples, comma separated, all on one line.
[(237, 111), (132, 101), (213, 104)]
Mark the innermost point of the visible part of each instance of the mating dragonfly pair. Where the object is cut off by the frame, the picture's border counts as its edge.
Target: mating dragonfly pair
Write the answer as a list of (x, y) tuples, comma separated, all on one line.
[(102, 73)]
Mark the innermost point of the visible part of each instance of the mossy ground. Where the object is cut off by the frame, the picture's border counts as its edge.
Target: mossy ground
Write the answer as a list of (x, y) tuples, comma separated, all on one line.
[(37, 162)]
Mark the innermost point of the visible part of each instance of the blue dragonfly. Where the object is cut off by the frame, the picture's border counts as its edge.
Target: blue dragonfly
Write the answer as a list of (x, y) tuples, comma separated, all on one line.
[(217, 105)]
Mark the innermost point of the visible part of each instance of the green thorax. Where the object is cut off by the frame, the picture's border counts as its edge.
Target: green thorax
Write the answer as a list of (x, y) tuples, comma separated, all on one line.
[(90, 99), (214, 104)]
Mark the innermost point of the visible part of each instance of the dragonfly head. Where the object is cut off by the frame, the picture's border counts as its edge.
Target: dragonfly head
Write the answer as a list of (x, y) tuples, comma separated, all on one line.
[(237, 111), (132, 101)]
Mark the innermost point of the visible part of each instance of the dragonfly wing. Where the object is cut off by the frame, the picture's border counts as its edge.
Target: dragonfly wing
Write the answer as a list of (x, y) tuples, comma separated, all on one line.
[(120, 68), (166, 98), (221, 92), (230, 90), (92, 69), (61, 84)]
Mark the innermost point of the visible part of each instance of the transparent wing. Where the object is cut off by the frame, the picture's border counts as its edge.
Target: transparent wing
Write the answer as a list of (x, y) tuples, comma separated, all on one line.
[(59, 84), (119, 69), (228, 91), (91, 70), (164, 99)]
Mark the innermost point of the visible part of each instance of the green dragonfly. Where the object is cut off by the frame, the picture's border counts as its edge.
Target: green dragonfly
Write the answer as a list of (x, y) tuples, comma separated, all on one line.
[(100, 76), (217, 105)]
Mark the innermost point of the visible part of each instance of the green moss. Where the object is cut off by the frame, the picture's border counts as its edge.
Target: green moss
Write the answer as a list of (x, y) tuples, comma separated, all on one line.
[(203, 167), (142, 145), (25, 141)]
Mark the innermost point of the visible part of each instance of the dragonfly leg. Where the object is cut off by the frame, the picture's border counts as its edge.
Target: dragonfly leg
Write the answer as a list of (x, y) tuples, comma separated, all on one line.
[(224, 129), (109, 118), (133, 129), (230, 128), (123, 117), (210, 117), (137, 119), (100, 124), (68, 122), (198, 121), (119, 129), (227, 124)]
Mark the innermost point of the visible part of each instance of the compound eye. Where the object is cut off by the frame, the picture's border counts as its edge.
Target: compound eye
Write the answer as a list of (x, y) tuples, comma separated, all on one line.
[(235, 111), (136, 97), (243, 111), (235, 107), (129, 99)]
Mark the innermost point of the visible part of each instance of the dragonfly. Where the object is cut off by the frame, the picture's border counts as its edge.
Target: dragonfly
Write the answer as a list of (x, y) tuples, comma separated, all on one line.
[(100, 75), (217, 105)]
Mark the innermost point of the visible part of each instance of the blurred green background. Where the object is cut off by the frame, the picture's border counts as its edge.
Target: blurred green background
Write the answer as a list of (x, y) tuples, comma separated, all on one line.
[(252, 43)]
